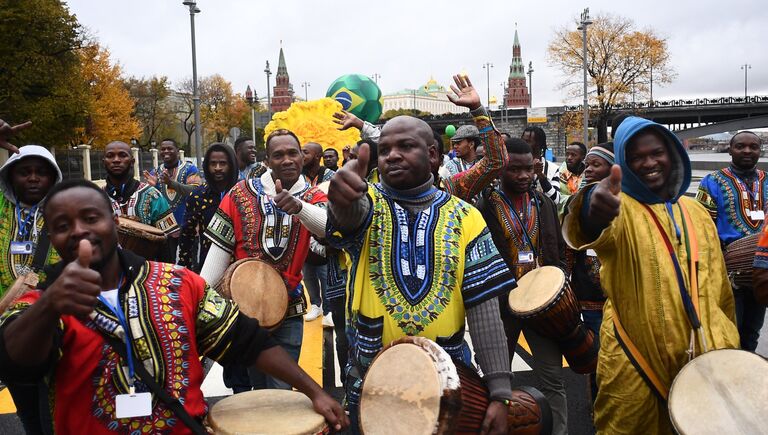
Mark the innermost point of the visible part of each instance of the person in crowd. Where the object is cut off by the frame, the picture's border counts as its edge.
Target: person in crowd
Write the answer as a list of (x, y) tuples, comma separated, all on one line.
[(736, 198), (331, 159), (668, 295), (220, 175), (525, 227), (174, 178), (465, 142), (105, 317), (245, 151), (571, 172), (547, 179), (269, 218), (25, 180)]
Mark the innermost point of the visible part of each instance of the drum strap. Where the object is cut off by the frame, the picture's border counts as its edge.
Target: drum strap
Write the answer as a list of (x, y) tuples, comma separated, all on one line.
[(170, 401), (638, 361)]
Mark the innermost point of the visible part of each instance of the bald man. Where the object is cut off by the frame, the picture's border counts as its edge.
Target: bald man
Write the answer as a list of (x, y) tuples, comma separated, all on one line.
[(456, 274)]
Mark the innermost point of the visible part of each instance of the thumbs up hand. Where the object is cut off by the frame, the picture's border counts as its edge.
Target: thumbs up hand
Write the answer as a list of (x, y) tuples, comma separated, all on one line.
[(284, 200), (606, 200), (348, 183), (76, 290)]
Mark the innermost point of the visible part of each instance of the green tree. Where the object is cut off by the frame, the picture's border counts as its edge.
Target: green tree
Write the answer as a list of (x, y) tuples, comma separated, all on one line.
[(389, 114), (40, 70), (152, 107)]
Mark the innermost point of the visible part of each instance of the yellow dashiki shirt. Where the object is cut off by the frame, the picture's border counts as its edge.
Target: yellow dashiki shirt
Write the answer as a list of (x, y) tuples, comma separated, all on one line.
[(413, 274)]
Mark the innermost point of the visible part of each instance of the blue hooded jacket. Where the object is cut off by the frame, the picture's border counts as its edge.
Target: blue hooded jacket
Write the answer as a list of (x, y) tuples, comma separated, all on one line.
[(680, 175)]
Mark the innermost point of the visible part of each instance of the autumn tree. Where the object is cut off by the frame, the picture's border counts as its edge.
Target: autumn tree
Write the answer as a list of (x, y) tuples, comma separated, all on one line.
[(40, 70), (109, 107), (153, 109), (620, 60), (220, 108)]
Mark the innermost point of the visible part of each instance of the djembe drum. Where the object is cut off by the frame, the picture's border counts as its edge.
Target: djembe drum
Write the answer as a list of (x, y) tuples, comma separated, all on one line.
[(544, 301), (721, 392), (258, 289), (414, 387), (739, 256), (142, 239), (266, 412)]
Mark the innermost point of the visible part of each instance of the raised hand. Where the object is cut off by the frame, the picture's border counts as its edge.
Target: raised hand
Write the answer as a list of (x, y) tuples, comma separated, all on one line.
[(466, 95), (7, 131), (538, 168), (166, 177), (76, 290), (151, 179), (347, 120), (606, 200), (284, 200), (348, 183)]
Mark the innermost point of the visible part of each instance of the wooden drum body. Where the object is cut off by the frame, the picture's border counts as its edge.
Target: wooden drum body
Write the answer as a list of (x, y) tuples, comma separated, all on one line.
[(413, 386), (544, 301), (141, 239), (739, 256), (721, 392), (258, 289), (266, 412)]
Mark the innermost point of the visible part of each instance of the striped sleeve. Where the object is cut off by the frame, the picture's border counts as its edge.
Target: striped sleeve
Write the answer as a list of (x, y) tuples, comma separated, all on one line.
[(221, 229), (705, 197), (485, 274)]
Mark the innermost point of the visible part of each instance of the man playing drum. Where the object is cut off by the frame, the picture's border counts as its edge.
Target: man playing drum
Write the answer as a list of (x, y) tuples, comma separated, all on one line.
[(662, 271), (736, 198), (25, 180), (422, 260), (526, 229), (270, 219), (118, 339), (134, 199)]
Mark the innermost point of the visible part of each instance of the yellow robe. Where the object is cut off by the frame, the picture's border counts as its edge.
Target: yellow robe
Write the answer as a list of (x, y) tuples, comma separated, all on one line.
[(639, 279)]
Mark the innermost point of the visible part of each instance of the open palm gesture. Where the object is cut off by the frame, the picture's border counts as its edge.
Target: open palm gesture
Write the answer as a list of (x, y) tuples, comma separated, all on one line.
[(466, 95)]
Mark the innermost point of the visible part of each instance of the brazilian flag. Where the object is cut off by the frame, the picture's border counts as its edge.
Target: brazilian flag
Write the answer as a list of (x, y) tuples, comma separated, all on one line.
[(359, 95)]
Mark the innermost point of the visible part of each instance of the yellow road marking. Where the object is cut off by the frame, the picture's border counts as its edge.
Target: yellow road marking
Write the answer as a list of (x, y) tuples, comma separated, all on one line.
[(6, 402)]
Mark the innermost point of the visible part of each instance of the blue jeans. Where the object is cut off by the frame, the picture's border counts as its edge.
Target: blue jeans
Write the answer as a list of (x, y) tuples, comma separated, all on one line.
[(289, 335), (750, 316), (316, 282)]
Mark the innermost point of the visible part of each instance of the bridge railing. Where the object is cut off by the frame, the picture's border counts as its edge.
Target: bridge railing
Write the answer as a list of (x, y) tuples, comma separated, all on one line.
[(688, 102)]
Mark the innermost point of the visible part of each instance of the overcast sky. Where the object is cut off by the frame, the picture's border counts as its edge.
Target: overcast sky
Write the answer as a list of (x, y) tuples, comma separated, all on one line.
[(406, 42)]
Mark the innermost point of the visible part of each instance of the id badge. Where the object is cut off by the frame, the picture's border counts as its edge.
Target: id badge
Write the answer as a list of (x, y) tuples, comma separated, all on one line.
[(22, 248), (757, 215), (525, 257), (591, 253), (133, 405)]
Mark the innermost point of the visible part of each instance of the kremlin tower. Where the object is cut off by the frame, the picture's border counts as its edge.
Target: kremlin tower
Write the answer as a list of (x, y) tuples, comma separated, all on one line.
[(282, 93), (517, 89)]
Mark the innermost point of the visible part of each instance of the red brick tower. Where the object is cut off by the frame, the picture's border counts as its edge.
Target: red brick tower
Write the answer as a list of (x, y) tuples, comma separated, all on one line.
[(517, 88), (282, 93)]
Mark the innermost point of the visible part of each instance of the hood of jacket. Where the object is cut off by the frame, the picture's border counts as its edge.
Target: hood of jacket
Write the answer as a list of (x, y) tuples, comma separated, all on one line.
[(25, 152), (680, 173), (233, 172)]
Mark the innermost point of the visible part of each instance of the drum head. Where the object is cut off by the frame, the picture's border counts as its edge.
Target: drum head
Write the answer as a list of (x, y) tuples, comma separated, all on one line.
[(536, 289), (721, 392), (133, 227), (258, 289), (266, 412), (401, 393)]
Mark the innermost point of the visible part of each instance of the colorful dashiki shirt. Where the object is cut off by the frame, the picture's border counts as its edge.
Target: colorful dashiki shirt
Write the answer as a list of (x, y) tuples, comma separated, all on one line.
[(202, 204), (252, 171), (584, 267), (457, 165), (730, 201), (322, 176), (248, 224), (183, 173), (14, 265), (413, 274), (520, 226), (174, 318), (148, 206)]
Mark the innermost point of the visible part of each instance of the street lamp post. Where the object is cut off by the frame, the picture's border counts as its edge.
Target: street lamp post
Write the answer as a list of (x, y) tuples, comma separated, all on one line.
[(306, 86), (488, 67), (193, 9), (376, 77), (269, 99), (745, 67), (530, 84), (585, 21), (504, 101), (250, 98)]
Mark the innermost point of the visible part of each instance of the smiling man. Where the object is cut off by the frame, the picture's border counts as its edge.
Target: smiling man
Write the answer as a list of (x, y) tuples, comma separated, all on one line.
[(662, 271), (464, 142), (736, 198), (174, 178)]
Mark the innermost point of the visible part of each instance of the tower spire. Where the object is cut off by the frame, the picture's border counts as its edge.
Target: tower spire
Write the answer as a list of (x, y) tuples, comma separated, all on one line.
[(517, 88)]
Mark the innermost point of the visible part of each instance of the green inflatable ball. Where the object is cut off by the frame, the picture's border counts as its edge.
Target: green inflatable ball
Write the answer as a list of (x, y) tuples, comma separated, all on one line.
[(359, 95), (450, 130)]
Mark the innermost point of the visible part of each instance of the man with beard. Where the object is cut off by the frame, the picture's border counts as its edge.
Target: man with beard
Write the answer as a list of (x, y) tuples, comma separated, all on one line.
[(25, 180), (331, 159), (362, 215), (102, 302), (736, 198), (245, 152), (269, 218), (175, 179), (202, 203), (547, 179), (525, 228), (571, 172), (134, 199), (662, 271)]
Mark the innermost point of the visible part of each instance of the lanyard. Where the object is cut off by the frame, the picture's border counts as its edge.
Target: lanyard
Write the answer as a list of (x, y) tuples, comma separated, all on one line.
[(754, 197), (23, 230), (520, 221), (127, 336)]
